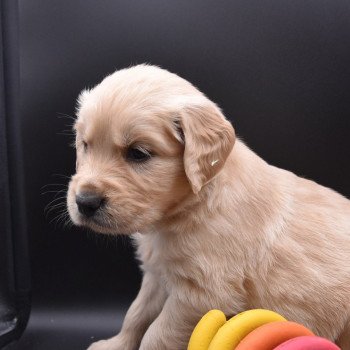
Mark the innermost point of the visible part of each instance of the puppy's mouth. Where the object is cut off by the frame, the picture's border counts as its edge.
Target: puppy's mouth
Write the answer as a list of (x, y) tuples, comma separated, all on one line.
[(97, 219), (98, 215), (98, 222)]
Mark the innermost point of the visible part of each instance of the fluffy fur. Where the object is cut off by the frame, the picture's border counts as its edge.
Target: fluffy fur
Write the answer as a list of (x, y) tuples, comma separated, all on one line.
[(215, 225)]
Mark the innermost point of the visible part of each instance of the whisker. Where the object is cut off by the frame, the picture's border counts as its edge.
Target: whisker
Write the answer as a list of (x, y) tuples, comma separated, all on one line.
[(58, 216), (58, 219), (56, 199), (63, 133), (64, 185), (62, 175), (66, 221), (64, 115), (63, 218), (54, 191), (51, 205)]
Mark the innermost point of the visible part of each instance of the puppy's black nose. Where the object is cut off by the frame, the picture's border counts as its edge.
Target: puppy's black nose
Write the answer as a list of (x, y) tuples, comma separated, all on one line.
[(88, 203)]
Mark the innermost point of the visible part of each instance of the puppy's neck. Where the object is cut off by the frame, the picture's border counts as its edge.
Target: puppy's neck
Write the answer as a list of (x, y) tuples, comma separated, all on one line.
[(244, 188)]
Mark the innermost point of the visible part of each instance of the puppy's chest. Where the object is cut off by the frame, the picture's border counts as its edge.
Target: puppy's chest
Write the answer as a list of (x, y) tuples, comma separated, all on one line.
[(183, 266)]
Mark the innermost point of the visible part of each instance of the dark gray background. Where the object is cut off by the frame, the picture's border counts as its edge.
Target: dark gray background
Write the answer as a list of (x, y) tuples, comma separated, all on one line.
[(279, 69)]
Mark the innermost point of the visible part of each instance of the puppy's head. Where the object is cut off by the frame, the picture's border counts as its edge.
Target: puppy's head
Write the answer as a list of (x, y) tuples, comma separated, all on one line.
[(145, 140)]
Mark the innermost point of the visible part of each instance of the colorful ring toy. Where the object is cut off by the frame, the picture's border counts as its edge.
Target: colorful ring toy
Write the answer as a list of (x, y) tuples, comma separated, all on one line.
[(307, 343), (270, 335)]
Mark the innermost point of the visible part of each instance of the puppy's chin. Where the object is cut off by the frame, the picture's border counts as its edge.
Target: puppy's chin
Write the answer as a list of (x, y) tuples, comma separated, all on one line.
[(99, 227)]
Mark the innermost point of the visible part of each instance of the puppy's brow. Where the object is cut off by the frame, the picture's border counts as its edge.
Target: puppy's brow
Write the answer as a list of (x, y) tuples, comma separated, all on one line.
[(120, 145)]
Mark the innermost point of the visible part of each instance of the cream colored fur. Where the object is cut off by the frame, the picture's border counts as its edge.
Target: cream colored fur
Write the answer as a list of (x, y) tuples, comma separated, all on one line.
[(215, 226)]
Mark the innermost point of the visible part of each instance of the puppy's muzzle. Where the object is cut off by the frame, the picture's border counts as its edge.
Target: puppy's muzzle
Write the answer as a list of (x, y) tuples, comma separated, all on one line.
[(88, 203)]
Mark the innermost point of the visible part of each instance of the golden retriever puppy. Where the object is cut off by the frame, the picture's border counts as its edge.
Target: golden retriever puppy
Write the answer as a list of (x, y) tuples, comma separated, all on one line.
[(215, 226)]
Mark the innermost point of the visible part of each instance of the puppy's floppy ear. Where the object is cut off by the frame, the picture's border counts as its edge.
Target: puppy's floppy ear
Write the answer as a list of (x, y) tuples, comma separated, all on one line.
[(208, 138)]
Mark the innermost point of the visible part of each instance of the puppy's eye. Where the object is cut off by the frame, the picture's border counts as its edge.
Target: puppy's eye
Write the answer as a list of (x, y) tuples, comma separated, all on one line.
[(85, 146), (137, 154)]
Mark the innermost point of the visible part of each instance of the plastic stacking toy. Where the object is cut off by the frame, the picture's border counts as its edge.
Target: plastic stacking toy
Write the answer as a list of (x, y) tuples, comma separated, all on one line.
[(257, 329), (205, 330), (235, 329), (214, 333), (307, 343), (270, 335)]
